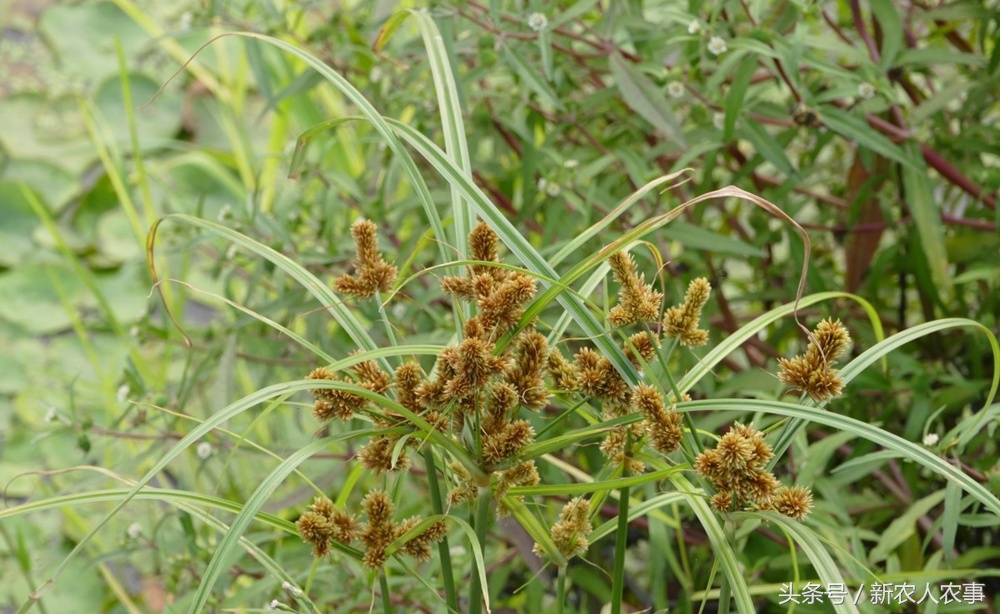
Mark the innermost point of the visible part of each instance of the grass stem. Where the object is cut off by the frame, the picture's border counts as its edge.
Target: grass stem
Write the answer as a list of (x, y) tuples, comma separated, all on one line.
[(444, 550)]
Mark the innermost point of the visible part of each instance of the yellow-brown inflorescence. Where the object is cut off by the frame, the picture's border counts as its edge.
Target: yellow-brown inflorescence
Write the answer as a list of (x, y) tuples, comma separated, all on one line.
[(795, 502), (812, 372), (381, 530), (681, 321), (737, 469), (525, 474), (637, 301), (571, 531), (372, 274), (663, 426), (323, 523)]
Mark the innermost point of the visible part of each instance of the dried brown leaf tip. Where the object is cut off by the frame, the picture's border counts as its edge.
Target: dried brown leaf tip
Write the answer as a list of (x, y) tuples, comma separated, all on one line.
[(372, 273), (570, 533), (811, 372), (637, 301), (736, 468), (323, 523), (681, 321)]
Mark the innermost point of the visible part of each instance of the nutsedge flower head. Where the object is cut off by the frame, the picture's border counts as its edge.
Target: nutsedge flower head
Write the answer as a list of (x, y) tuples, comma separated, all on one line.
[(376, 455), (663, 426), (372, 273), (811, 372), (795, 502), (324, 522), (681, 321), (570, 532), (637, 301)]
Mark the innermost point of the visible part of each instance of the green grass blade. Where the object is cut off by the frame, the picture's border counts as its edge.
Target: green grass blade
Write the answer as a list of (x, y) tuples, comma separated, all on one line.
[(225, 552), (821, 560), (455, 143), (748, 330), (321, 291), (377, 121)]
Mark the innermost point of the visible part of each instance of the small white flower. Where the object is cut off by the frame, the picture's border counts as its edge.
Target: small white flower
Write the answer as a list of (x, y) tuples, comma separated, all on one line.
[(292, 590), (717, 45), (866, 90), (542, 184), (134, 530), (571, 163), (123, 391), (538, 22), (675, 89), (930, 439), (204, 450), (51, 415), (553, 189), (376, 74), (186, 18), (719, 120), (694, 27), (274, 605)]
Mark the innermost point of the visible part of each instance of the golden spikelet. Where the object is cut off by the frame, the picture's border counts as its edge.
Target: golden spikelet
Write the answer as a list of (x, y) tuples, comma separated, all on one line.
[(501, 444), (324, 522), (737, 469), (376, 455), (317, 531), (640, 348), (528, 372), (372, 273), (571, 531), (466, 490), (795, 502), (565, 376), (681, 321), (379, 531), (811, 372), (419, 547), (409, 375), (525, 474), (637, 301)]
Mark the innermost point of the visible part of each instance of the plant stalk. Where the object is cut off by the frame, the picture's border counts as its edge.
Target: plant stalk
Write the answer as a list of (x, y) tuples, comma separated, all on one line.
[(480, 524), (444, 551), (621, 536)]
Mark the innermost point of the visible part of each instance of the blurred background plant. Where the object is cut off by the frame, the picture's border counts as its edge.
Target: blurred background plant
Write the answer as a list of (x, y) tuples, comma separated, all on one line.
[(872, 124)]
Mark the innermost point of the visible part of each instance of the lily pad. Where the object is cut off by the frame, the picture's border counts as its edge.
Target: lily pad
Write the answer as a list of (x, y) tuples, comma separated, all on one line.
[(80, 37), (17, 222), (33, 296)]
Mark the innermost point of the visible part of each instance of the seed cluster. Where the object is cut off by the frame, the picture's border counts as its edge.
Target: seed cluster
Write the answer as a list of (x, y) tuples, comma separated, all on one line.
[(737, 470), (811, 372), (372, 273)]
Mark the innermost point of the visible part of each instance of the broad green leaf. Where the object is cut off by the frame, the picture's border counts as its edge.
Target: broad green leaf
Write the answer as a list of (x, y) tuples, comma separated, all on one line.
[(854, 129), (927, 218), (767, 146), (530, 76), (639, 93), (892, 31)]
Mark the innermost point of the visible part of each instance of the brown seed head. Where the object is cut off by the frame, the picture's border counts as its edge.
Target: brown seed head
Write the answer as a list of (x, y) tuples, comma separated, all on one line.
[(372, 273), (795, 502)]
